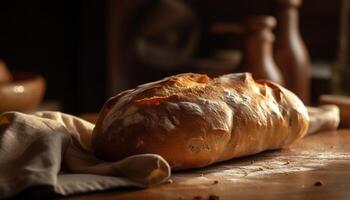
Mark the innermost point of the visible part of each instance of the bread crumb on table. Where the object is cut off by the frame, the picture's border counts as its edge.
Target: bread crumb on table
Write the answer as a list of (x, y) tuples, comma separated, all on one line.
[(169, 181), (211, 197), (318, 183), (245, 173), (267, 167), (214, 197)]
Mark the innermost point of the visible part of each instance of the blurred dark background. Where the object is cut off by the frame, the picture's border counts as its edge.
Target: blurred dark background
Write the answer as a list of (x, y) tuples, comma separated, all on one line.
[(89, 50)]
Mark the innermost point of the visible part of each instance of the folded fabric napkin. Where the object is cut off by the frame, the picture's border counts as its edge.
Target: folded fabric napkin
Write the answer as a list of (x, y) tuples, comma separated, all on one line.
[(52, 149)]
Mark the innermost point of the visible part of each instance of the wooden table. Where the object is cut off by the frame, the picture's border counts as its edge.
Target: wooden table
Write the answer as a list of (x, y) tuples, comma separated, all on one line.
[(316, 167)]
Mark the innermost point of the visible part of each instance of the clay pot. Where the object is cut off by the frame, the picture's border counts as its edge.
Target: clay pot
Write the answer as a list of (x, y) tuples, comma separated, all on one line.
[(24, 93)]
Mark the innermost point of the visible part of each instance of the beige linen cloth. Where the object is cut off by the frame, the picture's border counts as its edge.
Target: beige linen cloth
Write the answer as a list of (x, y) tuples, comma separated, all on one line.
[(53, 150)]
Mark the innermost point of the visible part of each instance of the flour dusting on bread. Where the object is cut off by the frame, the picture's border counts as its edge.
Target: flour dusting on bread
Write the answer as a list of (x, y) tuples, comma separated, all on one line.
[(193, 121)]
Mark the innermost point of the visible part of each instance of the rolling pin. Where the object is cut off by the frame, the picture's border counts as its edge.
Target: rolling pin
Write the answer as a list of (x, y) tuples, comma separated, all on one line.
[(343, 102), (323, 118)]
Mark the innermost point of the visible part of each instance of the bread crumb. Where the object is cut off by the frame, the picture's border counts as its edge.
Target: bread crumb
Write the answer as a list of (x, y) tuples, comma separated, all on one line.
[(211, 197), (260, 169), (216, 182), (318, 183), (245, 173), (287, 162), (214, 197), (267, 167), (169, 181)]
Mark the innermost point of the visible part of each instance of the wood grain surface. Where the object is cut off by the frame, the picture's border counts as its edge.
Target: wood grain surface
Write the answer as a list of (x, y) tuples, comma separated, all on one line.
[(316, 167)]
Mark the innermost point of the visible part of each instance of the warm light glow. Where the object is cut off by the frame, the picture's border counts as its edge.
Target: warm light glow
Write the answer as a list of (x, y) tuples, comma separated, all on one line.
[(18, 89)]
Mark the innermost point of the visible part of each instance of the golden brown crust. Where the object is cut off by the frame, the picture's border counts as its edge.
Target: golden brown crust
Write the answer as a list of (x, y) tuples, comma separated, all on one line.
[(193, 121)]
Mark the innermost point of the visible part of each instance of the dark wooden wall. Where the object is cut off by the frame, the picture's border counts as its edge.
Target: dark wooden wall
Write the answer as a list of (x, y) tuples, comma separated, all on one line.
[(67, 41), (62, 40)]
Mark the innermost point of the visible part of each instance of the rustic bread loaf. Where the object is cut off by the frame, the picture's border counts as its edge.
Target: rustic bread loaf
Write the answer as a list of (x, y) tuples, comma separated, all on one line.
[(194, 121)]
